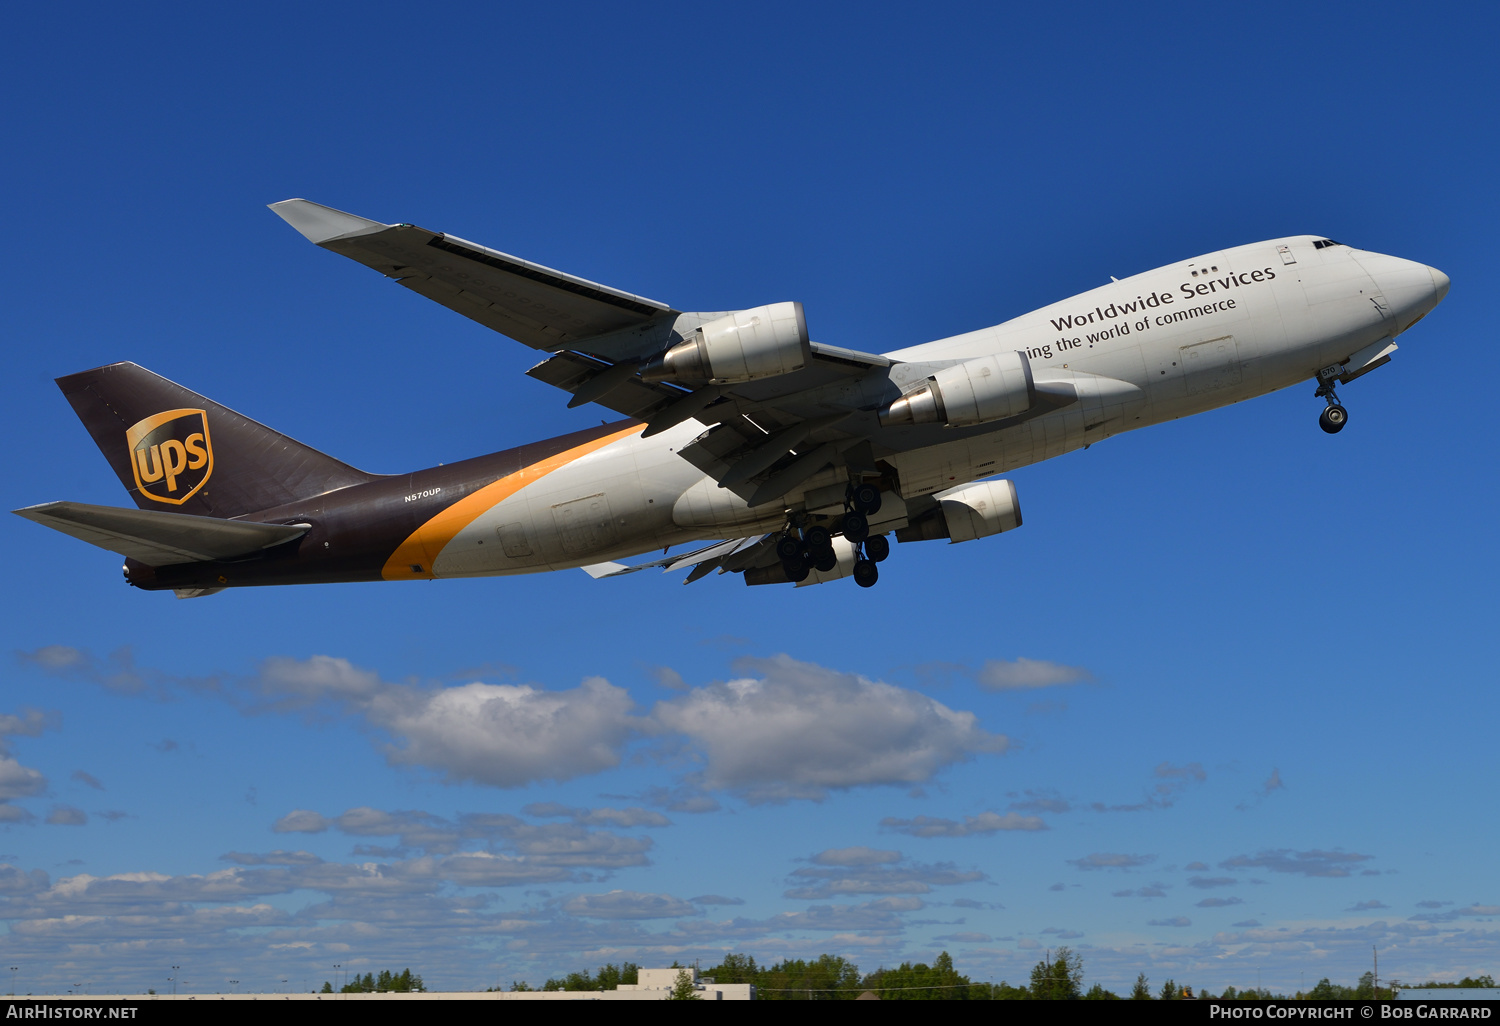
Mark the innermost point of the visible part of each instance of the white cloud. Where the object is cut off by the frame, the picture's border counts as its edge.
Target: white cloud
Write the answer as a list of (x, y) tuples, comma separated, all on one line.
[(631, 817), (17, 781), (1112, 860), (882, 914), (984, 823), (1150, 891), (797, 730), (1452, 914), (785, 730), (1272, 785), (1171, 781), (117, 672), (507, 735), (629, 905), (1303, 863), (87, 779), (1024, 674), (857, 856), (558, 846), (503, 735), (1044, 800), (849, 871), (716, 899), (300, 821), (684, 798), (667, 677), (280, 857), (67, 815)]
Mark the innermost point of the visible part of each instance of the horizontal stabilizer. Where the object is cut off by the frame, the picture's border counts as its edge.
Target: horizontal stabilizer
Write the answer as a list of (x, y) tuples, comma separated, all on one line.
[(161, 539), (598, 570)]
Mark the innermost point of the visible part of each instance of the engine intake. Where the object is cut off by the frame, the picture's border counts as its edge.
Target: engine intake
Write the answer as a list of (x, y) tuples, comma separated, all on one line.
[(764, 342), (973, 392)]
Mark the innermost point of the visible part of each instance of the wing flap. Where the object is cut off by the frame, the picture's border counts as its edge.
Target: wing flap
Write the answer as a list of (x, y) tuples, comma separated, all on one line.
[(629, 395), (703, 561), (161, 539)]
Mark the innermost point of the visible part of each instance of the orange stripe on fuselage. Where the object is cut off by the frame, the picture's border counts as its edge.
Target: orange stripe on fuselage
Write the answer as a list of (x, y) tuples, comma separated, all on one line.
[(424, 545)]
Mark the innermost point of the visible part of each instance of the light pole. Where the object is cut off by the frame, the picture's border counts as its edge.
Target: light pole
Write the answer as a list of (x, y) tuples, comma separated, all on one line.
[(174, 979), (13, 980), (336, 967)]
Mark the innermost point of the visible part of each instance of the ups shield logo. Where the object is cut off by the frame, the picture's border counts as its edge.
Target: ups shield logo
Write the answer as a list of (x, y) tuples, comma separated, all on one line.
[(171, 455)]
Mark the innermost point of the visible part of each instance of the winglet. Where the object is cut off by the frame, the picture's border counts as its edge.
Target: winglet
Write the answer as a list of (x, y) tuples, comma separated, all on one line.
[(322, 224)]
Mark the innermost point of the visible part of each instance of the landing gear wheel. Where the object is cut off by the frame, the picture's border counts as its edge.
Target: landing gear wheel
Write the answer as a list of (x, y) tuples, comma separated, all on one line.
[(817, 539), (865, 574), (877, 548), (788, 546), (1333, 419), (796, 570), (825, 561), (865, 498), (856, 528)]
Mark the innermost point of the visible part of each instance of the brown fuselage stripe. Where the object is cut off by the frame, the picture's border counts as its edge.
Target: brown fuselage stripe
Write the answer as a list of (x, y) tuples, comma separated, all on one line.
[(423, 546)]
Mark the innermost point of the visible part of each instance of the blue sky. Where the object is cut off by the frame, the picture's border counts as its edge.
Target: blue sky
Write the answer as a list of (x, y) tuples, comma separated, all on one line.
[(1225, 705)]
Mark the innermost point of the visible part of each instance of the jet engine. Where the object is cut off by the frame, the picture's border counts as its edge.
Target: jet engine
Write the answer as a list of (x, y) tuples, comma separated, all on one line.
[(968, 393), (759, 343), (967, 512)]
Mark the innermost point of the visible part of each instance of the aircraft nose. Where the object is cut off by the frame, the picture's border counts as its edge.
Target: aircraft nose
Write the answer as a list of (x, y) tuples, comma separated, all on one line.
[(1411, 289), (1439, 284)]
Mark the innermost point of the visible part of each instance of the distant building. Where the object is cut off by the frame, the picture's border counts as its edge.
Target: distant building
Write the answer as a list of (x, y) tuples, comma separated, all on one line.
[(653, 985)]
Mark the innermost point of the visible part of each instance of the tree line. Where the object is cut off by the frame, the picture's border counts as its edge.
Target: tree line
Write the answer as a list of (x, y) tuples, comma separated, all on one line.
[(404, 982), (1059, 976)]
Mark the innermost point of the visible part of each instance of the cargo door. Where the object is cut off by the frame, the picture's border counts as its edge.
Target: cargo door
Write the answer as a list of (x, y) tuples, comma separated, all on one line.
[(1210, 365), (584, 525)]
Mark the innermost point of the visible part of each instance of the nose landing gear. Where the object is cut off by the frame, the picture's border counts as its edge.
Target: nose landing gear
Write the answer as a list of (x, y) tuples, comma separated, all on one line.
[(1334, 416)]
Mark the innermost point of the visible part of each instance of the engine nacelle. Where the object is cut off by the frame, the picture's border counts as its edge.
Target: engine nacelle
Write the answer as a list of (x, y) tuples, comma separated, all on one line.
[(967, 512), (760, 343), (973, 392)]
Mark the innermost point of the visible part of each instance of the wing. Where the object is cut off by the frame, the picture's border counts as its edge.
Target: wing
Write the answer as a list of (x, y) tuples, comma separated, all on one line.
[(765, 437), (534, 305)]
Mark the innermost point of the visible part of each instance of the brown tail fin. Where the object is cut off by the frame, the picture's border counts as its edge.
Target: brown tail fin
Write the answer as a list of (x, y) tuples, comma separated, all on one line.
[(177, 451)]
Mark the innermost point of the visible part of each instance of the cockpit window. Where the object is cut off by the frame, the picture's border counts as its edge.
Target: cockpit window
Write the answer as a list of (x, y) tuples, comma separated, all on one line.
[(1325, 243)]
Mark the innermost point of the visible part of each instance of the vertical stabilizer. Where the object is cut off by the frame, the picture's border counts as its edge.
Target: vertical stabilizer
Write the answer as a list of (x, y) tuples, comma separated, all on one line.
[(177, 451)]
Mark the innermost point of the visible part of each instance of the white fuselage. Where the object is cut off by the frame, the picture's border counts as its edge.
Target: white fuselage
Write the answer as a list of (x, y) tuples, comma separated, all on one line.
[(1170, 342)]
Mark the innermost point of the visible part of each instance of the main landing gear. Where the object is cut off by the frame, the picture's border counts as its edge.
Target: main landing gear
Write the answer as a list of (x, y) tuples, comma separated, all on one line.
[(813, 550), (1334, 416)]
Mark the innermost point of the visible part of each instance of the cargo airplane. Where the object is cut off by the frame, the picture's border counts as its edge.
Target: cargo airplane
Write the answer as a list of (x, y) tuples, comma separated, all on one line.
[(797, 460)]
